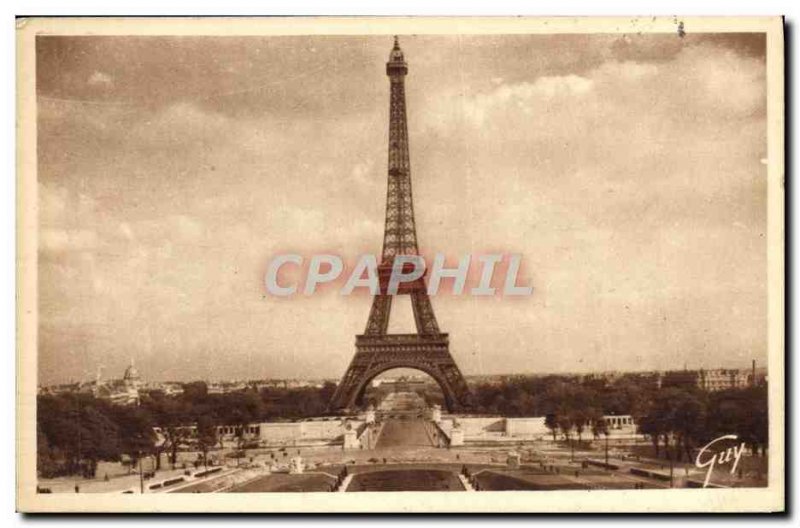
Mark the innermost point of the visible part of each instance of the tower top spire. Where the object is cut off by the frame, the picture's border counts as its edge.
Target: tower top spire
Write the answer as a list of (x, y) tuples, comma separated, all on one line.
[(397, 62)]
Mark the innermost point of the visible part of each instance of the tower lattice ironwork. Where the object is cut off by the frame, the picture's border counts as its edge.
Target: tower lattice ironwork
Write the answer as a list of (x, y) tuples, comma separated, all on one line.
[(376, 350)]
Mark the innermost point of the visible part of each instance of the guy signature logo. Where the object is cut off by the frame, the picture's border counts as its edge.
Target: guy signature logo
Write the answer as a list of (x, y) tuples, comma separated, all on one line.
[(721, 457)]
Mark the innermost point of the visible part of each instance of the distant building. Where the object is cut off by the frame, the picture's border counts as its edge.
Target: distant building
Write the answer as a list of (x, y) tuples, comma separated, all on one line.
[(623, 421), (710, 380), (64, 388), (123, 391), (172, 389), (215, 388), (722, 379), (680, 379)]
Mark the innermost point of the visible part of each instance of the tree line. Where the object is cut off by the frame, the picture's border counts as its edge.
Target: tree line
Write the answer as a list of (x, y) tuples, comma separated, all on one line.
[(76, 431), (676, 417)]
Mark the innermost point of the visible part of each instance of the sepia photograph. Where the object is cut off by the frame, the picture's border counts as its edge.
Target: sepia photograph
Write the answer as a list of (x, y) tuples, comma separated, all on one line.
[(498, 265)]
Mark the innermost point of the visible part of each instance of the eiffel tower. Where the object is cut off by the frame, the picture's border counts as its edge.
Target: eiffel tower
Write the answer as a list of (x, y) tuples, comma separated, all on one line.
[(376, 350)]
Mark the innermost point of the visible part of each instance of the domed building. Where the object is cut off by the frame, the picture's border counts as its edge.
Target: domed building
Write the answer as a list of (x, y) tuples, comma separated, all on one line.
[(131, 377), (123, 391)]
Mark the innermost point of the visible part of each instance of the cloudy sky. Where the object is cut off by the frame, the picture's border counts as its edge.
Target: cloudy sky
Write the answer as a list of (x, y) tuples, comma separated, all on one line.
[(628, 170)]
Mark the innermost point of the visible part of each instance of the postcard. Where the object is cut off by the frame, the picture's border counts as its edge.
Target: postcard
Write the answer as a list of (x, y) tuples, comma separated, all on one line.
[(400, 265)]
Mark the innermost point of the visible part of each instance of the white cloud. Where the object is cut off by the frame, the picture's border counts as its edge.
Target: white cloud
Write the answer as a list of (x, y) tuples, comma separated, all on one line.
[(556, 86), (52, 203), (701, 82), (181, 125), (625, 72), (126, 231), (365, 176), (60, 240), (523, 96), (187, 229), (98, 78)]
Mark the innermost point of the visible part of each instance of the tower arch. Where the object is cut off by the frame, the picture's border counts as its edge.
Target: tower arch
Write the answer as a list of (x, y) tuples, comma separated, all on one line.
[(450, 399)]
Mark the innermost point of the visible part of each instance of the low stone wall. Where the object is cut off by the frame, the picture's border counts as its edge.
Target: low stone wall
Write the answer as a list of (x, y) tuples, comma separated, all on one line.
[(310, 432), (651, 473), (473, 426), (495, 427), (526, 427), (368, 435), (442, 436), (325, 429), (602, 464), (277, 433)]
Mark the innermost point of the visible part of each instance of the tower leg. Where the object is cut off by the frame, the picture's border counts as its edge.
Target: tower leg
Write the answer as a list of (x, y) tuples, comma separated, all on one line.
[(378, 322), (423, 313), (344, 397)]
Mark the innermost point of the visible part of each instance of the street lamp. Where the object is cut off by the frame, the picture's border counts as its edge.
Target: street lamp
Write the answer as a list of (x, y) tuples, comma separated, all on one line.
[(571, 449), (141, 474), (671, 468)]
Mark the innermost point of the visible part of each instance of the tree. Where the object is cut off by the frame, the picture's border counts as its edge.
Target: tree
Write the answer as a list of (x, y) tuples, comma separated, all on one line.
[(628, 394), (75, 432), (565, 423), (677, 416), (175, 437), (687, 421), (597, 422), (48, 458), (756, 423), (136, 436), (579, 421), (98, 439), (206, 436), (600, 427), (171, 415), (327, 390), (651, 424), (195, 392), (743, 411), (551, 422), (246, 409)]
